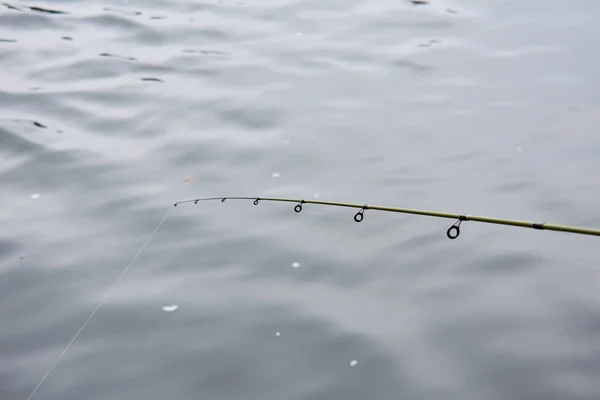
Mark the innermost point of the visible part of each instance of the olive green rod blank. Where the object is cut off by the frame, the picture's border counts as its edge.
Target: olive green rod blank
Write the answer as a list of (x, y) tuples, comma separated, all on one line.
[(452, 232)]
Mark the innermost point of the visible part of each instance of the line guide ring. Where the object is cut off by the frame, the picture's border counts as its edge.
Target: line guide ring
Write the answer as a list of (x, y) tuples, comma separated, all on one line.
[(359, 216), (298, 207), (454, 231)]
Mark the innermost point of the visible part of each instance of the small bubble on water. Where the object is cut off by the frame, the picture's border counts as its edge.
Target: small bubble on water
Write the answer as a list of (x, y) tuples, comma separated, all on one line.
[(353, 363), (277, 333), (275, 174), (170, 308), (35, 196), (317, 195), (296, 264)]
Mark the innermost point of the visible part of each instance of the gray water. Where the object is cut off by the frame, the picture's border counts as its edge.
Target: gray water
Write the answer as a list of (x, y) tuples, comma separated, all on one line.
[(112, 111)]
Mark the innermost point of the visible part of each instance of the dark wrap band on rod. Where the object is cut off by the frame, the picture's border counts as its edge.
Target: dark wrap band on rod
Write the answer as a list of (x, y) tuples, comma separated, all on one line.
[(453, 232)]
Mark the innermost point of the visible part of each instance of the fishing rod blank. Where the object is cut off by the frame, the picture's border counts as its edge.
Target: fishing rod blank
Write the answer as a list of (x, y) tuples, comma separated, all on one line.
[(452, 232)]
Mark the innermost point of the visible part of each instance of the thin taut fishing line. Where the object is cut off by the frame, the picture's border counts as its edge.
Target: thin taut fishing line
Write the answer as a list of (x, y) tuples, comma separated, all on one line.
[(110, 289), (453, 232)]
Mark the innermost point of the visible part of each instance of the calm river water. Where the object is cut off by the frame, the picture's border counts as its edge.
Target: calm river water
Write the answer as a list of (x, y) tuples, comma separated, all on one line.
[(111, 111)]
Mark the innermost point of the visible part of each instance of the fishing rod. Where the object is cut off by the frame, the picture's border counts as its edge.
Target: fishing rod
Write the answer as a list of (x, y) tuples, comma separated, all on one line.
[(452, 232)]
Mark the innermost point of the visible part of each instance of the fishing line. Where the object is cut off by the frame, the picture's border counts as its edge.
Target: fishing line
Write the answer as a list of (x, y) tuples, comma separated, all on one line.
[(101, 302)]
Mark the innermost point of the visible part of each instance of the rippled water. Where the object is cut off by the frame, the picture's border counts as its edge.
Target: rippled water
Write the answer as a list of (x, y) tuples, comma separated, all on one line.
[(111, 111)]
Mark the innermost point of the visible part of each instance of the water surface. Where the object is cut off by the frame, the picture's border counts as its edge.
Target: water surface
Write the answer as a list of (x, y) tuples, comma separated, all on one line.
[(112, 111)]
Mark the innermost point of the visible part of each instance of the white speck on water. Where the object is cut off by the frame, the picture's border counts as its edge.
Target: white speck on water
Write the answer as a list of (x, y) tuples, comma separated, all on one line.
[(35, 196), (353, 363), (296, 264), (519, 149), (277, 333), (170, 308), (317, 195), (275, 174), (298, 34)]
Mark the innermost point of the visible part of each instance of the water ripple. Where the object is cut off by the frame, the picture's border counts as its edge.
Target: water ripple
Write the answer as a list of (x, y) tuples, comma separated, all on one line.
[(113, 111)]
